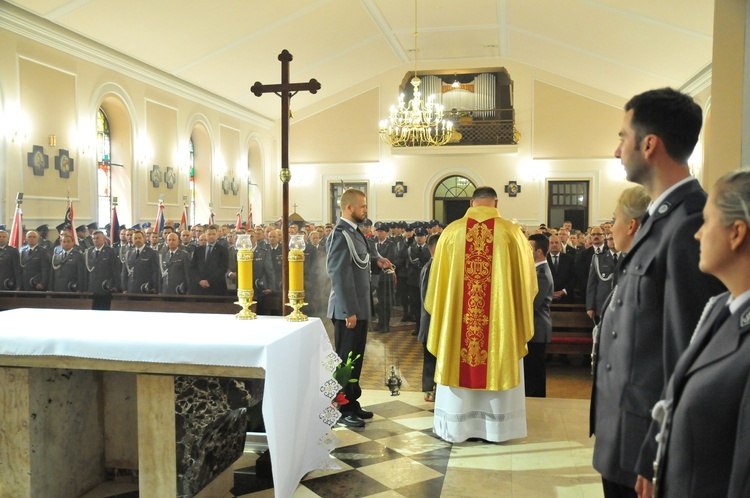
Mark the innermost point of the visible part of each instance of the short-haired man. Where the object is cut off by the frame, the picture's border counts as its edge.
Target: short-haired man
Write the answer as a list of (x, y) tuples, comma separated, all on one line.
[(10, 264), (350, 303), (35, 265), (535, 373), (480, 299), (103, 271), (175, 267), (563, 271), (660, 290), (68, 269), (210, 264), (141, 273)]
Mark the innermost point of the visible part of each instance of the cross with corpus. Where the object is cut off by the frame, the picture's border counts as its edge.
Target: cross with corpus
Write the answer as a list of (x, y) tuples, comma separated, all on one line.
[(286, 91)]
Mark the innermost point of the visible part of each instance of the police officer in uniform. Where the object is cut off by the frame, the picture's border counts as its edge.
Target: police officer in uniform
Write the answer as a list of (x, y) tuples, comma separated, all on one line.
[(103, 268), (35, 265), (68, 270), (264, 278), (417, 256), (382, 279), (175, 267), (141, 272), (10, 264)]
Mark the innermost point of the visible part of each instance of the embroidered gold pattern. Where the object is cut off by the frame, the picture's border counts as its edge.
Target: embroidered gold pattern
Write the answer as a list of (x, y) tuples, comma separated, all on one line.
[(478, 276)]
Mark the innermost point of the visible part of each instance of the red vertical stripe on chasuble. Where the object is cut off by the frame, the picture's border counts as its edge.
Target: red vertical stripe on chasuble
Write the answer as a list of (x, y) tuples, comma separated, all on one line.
[(475, 321)]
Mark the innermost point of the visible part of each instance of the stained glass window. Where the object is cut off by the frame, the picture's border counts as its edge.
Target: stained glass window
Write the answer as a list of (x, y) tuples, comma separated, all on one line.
[(103, 169)]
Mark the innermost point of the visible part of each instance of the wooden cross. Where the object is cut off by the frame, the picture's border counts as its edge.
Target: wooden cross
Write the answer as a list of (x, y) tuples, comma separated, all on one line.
[(286, 91)]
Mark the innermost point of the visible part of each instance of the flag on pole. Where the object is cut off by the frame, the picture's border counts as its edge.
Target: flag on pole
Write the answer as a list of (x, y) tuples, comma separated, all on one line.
[(114, 236), (211, 217), (238, 225), (159, 224), (16, 232), (250, 217), (183, 220), (70, 222)]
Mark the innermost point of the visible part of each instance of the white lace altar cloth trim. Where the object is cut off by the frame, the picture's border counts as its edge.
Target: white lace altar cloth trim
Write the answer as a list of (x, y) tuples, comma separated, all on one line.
[(495, 416), (297, 357)]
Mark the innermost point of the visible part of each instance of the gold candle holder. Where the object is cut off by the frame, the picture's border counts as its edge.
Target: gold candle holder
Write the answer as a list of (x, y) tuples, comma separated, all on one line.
[(296, 278), (245, 299), (244, 278), (296, 301)]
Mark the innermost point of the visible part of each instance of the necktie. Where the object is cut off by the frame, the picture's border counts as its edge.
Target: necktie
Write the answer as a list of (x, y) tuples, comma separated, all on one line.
[(169, 259), (96, 254), (554, 261), (614, 258), (725, 313), (137, 253), (208, 250)]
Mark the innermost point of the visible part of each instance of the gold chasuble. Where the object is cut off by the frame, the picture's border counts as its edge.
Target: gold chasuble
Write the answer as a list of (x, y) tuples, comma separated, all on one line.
[(481, 301)]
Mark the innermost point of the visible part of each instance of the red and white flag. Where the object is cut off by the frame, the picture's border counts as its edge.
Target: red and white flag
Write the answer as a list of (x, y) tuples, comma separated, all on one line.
[(159, 224), (211, 218), (250, 217), (16, 231), (183, 220), (71, 223), (238, 224)]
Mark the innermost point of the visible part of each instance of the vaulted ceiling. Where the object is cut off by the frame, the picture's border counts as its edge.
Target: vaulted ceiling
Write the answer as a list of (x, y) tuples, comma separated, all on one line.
[(225, 46)]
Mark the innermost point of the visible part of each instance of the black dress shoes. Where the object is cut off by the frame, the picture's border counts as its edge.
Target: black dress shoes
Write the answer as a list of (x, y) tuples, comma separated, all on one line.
[(352, 420), (363, 414)]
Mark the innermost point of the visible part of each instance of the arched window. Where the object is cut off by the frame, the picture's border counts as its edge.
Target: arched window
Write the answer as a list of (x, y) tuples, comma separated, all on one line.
[(451, 198), (103, 169), (191, 215)]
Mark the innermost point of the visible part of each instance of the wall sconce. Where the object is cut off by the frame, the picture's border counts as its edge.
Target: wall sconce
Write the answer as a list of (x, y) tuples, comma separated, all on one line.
[(15, 126), (145, 151), (52, 141)]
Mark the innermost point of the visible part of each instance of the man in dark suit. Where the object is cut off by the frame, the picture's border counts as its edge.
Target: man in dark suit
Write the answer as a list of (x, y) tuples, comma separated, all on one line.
[(175, 268), (10, 264), (317, 284), (535, 373), (417, 256), (660, 291), (68, 270), (350, 304), (103, 267), (141, 273), (601, 280), (210, 265), (429, 361), (35, 265), (562, 266)]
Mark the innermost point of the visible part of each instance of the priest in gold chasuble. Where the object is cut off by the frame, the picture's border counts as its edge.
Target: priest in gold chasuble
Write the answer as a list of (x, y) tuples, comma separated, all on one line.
[(480, 298)]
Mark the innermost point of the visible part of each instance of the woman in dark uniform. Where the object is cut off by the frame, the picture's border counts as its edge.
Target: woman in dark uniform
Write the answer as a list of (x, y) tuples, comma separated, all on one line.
[(705, 415)]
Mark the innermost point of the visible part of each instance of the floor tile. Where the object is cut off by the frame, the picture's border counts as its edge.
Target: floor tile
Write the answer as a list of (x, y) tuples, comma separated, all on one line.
[(400, 472), (382, 428), (436, 459), (393, 409), (413, 443), (420, 420), (363, 454), (345, 485), (476, 483)]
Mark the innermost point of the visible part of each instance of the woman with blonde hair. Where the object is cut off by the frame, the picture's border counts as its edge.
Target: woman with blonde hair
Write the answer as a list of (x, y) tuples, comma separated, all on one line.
[(628, 212)]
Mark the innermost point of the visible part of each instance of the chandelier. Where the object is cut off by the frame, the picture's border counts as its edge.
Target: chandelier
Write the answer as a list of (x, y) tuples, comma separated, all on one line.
[(418, 123)]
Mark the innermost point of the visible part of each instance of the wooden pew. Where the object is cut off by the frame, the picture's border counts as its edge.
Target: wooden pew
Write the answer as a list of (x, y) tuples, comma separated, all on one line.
[(56, 300), (571, 330)]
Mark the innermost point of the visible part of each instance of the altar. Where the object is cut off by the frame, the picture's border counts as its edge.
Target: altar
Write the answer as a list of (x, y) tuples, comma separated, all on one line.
[(68, 352)]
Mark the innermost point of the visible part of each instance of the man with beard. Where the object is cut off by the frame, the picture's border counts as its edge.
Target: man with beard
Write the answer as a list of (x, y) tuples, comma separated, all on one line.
[(350, 304)]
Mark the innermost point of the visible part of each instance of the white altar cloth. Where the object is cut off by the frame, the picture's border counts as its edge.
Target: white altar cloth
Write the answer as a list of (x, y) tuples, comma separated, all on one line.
[(297, 358)]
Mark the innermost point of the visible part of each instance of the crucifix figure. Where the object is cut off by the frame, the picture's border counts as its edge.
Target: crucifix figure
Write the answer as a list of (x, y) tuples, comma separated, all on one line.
[(286, 91)]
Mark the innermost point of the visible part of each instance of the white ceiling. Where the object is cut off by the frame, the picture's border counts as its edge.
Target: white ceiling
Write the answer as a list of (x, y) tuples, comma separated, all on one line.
[(224, 46)]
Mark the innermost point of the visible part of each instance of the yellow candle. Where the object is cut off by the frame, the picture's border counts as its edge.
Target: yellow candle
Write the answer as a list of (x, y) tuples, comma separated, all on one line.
[(244, 271), (296, 270)]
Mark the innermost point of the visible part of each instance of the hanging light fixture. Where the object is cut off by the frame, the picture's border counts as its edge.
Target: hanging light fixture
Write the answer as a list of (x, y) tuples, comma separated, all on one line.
[(417, 123)]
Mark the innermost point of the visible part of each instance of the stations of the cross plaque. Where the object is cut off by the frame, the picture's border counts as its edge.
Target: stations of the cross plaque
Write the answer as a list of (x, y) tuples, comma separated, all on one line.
[(286, 91)]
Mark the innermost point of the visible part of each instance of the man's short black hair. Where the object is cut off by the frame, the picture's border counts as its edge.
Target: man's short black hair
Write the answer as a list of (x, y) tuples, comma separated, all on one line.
[(432, 240), (672, 116), (484, 193), (540, 242)]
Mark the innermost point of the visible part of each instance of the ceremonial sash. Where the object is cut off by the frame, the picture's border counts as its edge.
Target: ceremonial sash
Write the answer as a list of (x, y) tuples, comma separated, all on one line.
[(475, 322)]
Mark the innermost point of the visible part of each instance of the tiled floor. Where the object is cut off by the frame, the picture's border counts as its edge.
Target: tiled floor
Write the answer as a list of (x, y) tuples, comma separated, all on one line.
[(396, 455)]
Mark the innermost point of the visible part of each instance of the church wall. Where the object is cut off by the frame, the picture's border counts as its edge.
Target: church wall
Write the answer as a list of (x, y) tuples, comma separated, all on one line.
[(59, 94), (568, 131)]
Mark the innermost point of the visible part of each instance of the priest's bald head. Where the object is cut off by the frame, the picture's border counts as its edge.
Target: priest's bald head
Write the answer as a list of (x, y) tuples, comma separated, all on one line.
[(484, 196)]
